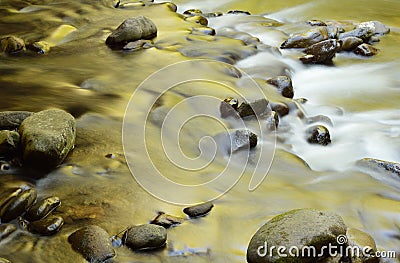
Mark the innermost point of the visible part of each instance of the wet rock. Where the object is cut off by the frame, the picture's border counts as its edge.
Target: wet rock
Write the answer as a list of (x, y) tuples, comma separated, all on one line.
[(166, 220), (198, 20), (322, 52), (306, 39), (315, 22), (362, 240), (213, 14), (12, 45), (228, 107), (17, 205), (10, 120), (237, 12), (242, 139), (257, 108), (350, 43), (145, 237), (333, 31), (204, 31), (130, 30), (296, 228), (198, 210), (6, 230), (366, 50), (374, 27), (363, 33), (173, 7), (137, 45), (380, 165), (47, 137), (284, 85), (9, 142), (373, 40), (47, 226), (42, 208), (9, 193), (3, 260), (272, 121), (193, 12), (93, 243), (40, 47), (318, 135), (281, 108)]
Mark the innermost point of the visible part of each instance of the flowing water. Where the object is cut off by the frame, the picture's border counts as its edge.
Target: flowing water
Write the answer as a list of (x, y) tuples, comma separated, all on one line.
[(83, 76)]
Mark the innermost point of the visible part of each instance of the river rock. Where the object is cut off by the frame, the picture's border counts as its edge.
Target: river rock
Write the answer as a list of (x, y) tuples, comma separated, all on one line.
[(193, 12), (6, 230), (198, 210), (39, 47), (361, 240), (318, 135), (145, 237), (42, 208), (374, 27), (322, 52), (12, 45), (17, 205), (10, 120), (93, 243), (281, 108), (306, 39), (238, 12), (366, 50), (197, 19), (213, 14), (296, 228), (47, 137), (315, 22), (47, 226), (132, 29), (242, 139), (228, 107), (166, 220), (138, 45), (272, 121), (9, 142), (283, 84), (258, 108), (350, 43), (364, 33), (380, 165)]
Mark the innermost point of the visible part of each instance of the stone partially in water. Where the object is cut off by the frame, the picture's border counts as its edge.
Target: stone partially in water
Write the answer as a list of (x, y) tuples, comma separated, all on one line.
[(47, 137), (350, 43), (364, 33), (130, 30), (238, 12), (10, 120), (93, 243), (197, 19), (306, 39), (297, 228), (193, 12), (380, 165), (228, 107), (242, 139), (272, 121), (47, 226), (258, 108), (12, 45), (361, 240), (145, 237), (9, 142), (283, 84), (281, 108), (375, 27), (322, 52), (318, 135), (366, 50), (138, 45), (42, 208), (315, 22), (166, 220), (6, 230), (17, 205), (198, 210)]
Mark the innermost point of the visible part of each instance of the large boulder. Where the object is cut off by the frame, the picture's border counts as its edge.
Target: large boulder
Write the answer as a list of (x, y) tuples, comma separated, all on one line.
[(47, 137), (297, 230)]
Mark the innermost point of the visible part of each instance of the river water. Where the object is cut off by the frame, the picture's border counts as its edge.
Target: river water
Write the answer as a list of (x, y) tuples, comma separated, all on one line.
[(83, 76)]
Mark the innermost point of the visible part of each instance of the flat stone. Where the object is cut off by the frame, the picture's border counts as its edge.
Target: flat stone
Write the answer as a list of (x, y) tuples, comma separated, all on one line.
[(198, 210), (145, 237), (167, 221)]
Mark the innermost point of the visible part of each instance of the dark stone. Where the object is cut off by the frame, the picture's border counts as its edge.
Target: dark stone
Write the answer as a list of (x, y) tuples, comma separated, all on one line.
[(284, 85), (213, 14), (197, 19), (363, 33), (366, 50), (321, 53), (9, 142), (203, 31), (374, 27), (198, 210), (138, 45), (380, 165), (258, 108), (228, 107), (193, 12), (47, 137), (6, 230), (281, 108), (12, 45), (17, 205), (297, 228), (10, 120), (350, 43), (42, 208), (333, 31), (93, 243), (306, 39), (47, 226), (40, 47), (272, 121), (130, 30), (166, 220), (145, 237), (242, 139), (237, 12), (318, 135), (315, 22)]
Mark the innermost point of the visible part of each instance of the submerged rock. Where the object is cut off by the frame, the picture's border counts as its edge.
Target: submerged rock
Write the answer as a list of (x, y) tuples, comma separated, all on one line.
[(198, 210), (380, 165), (242, 139), (137, 45), (47, 137), (40, 47), (9, 142), (10, 120), (197, 19), (306, 39), (166, 220), (17, 204), (318, 135), (145, 237), (47, 226), (6, 230), (281, 108), (297, 228), (350, 43), (12, 45), (366, 50), (93, 243), (361, 240), (374, 27), (322, 52), (130, 30), (42, 208), (283, 84)]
